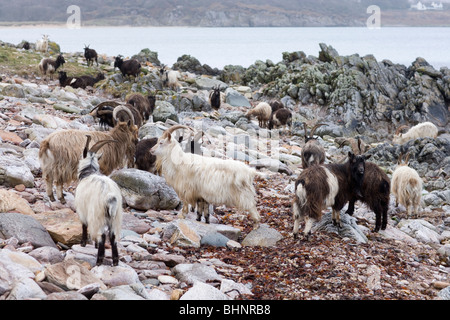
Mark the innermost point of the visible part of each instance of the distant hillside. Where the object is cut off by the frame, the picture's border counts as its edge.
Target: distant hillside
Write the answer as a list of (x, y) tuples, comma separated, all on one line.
[(225, 13)]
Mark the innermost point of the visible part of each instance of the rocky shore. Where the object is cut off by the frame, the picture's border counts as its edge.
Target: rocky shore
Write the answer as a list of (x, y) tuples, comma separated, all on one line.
[(164, 257)]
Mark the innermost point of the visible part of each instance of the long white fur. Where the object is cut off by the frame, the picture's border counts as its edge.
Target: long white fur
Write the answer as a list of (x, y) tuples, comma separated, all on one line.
[(42, 44), (421, 130), (99, 205), (407, 187), (215, 181)]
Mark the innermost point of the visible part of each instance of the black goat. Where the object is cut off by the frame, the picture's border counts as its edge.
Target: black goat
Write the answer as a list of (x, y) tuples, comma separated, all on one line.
[(90, 55), (214, 98), (276, 104), (130, 67), (79, 82)]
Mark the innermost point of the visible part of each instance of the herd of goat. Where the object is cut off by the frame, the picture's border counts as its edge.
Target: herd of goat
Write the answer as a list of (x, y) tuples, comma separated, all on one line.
[(65, 157)]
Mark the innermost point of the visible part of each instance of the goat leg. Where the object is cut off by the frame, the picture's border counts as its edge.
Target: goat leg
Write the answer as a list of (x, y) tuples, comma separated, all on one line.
[(84, 236), (115, 253), (59, 193), (336, 218), (296, 214), (101, 250)]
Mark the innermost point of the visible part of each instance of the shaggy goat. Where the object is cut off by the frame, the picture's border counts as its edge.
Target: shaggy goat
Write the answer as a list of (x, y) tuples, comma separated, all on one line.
[(170, 79), (214, 98), (50, 65), (130, 67), (279, 118), (262, 112), (127, 112), (98, 202), (78, 82), (42, 44), (104, 111), (275, 105), (196, 179), (59, 154), (313, 152), (421, 130), (406, 186), (144, 160), (318, 187), (90, 55), (145, 105), (374, 191)]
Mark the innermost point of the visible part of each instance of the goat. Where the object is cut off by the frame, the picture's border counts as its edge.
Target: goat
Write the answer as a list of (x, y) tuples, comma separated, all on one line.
[(262, 112), (145, 105), (170, 79), (421, 130), (130, 67), (406, 186), (214, 98), (42, 44), (197, 178), (59, 154), (127, 112), (275, 105), (144, 160), (98, 202), (374, 191), (104, 111), (318, 187), (90, 55), (281, 117), (50, 65), (312, 152), (79, 82)]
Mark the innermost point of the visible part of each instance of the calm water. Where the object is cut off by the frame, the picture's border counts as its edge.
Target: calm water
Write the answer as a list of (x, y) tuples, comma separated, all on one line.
[(243, 46)]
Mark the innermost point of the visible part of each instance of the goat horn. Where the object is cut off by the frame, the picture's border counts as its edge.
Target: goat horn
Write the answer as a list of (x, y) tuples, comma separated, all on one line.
[(125, 109), (172, 129), (315, 127), (407, 158), (359, 146), (399, 160), (100, 144), (399, 129), (106, 103), (86, 148)]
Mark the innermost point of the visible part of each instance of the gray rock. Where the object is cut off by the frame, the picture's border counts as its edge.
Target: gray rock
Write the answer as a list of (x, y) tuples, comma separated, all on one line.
[(14, 171), (235, 99), (47, 255), (203, 291), (143, 190), (420, 229), (192, 273), (348, 229), (163, 111), (444, 293), (25, 229), (264, 236), (24, 289), (13, 90), (66, 295), (214, 239), (124, 292), (204, 83)]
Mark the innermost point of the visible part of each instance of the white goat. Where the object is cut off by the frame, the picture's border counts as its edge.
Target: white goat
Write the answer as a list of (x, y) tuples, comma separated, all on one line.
[(421, 130), (42, 44), (98, 202), (170, 79), (199, 179), (262, 112), (406, 186)]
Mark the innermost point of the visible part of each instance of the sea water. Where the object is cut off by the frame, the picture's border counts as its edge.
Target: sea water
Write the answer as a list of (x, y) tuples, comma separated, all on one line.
[(218, 47)]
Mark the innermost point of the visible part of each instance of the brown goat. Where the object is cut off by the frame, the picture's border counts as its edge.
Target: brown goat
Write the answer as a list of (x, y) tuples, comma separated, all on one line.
[(60, 152), (145, 105), (313, 152)]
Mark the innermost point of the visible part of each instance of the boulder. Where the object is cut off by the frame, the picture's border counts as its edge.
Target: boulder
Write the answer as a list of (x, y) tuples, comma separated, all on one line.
[(203, 291), (348, 229), (143, 190), (235, 99), (163, 111), (11, 201), (204, 83), (63, 225), (25, 228), (264, 236), (196, 272)]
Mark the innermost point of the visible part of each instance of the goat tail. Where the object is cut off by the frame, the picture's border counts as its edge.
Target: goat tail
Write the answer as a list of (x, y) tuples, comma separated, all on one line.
[(114, 213)]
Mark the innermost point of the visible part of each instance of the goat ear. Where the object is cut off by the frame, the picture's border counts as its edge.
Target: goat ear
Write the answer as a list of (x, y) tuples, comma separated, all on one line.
[(351, 155), (366, 157)]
